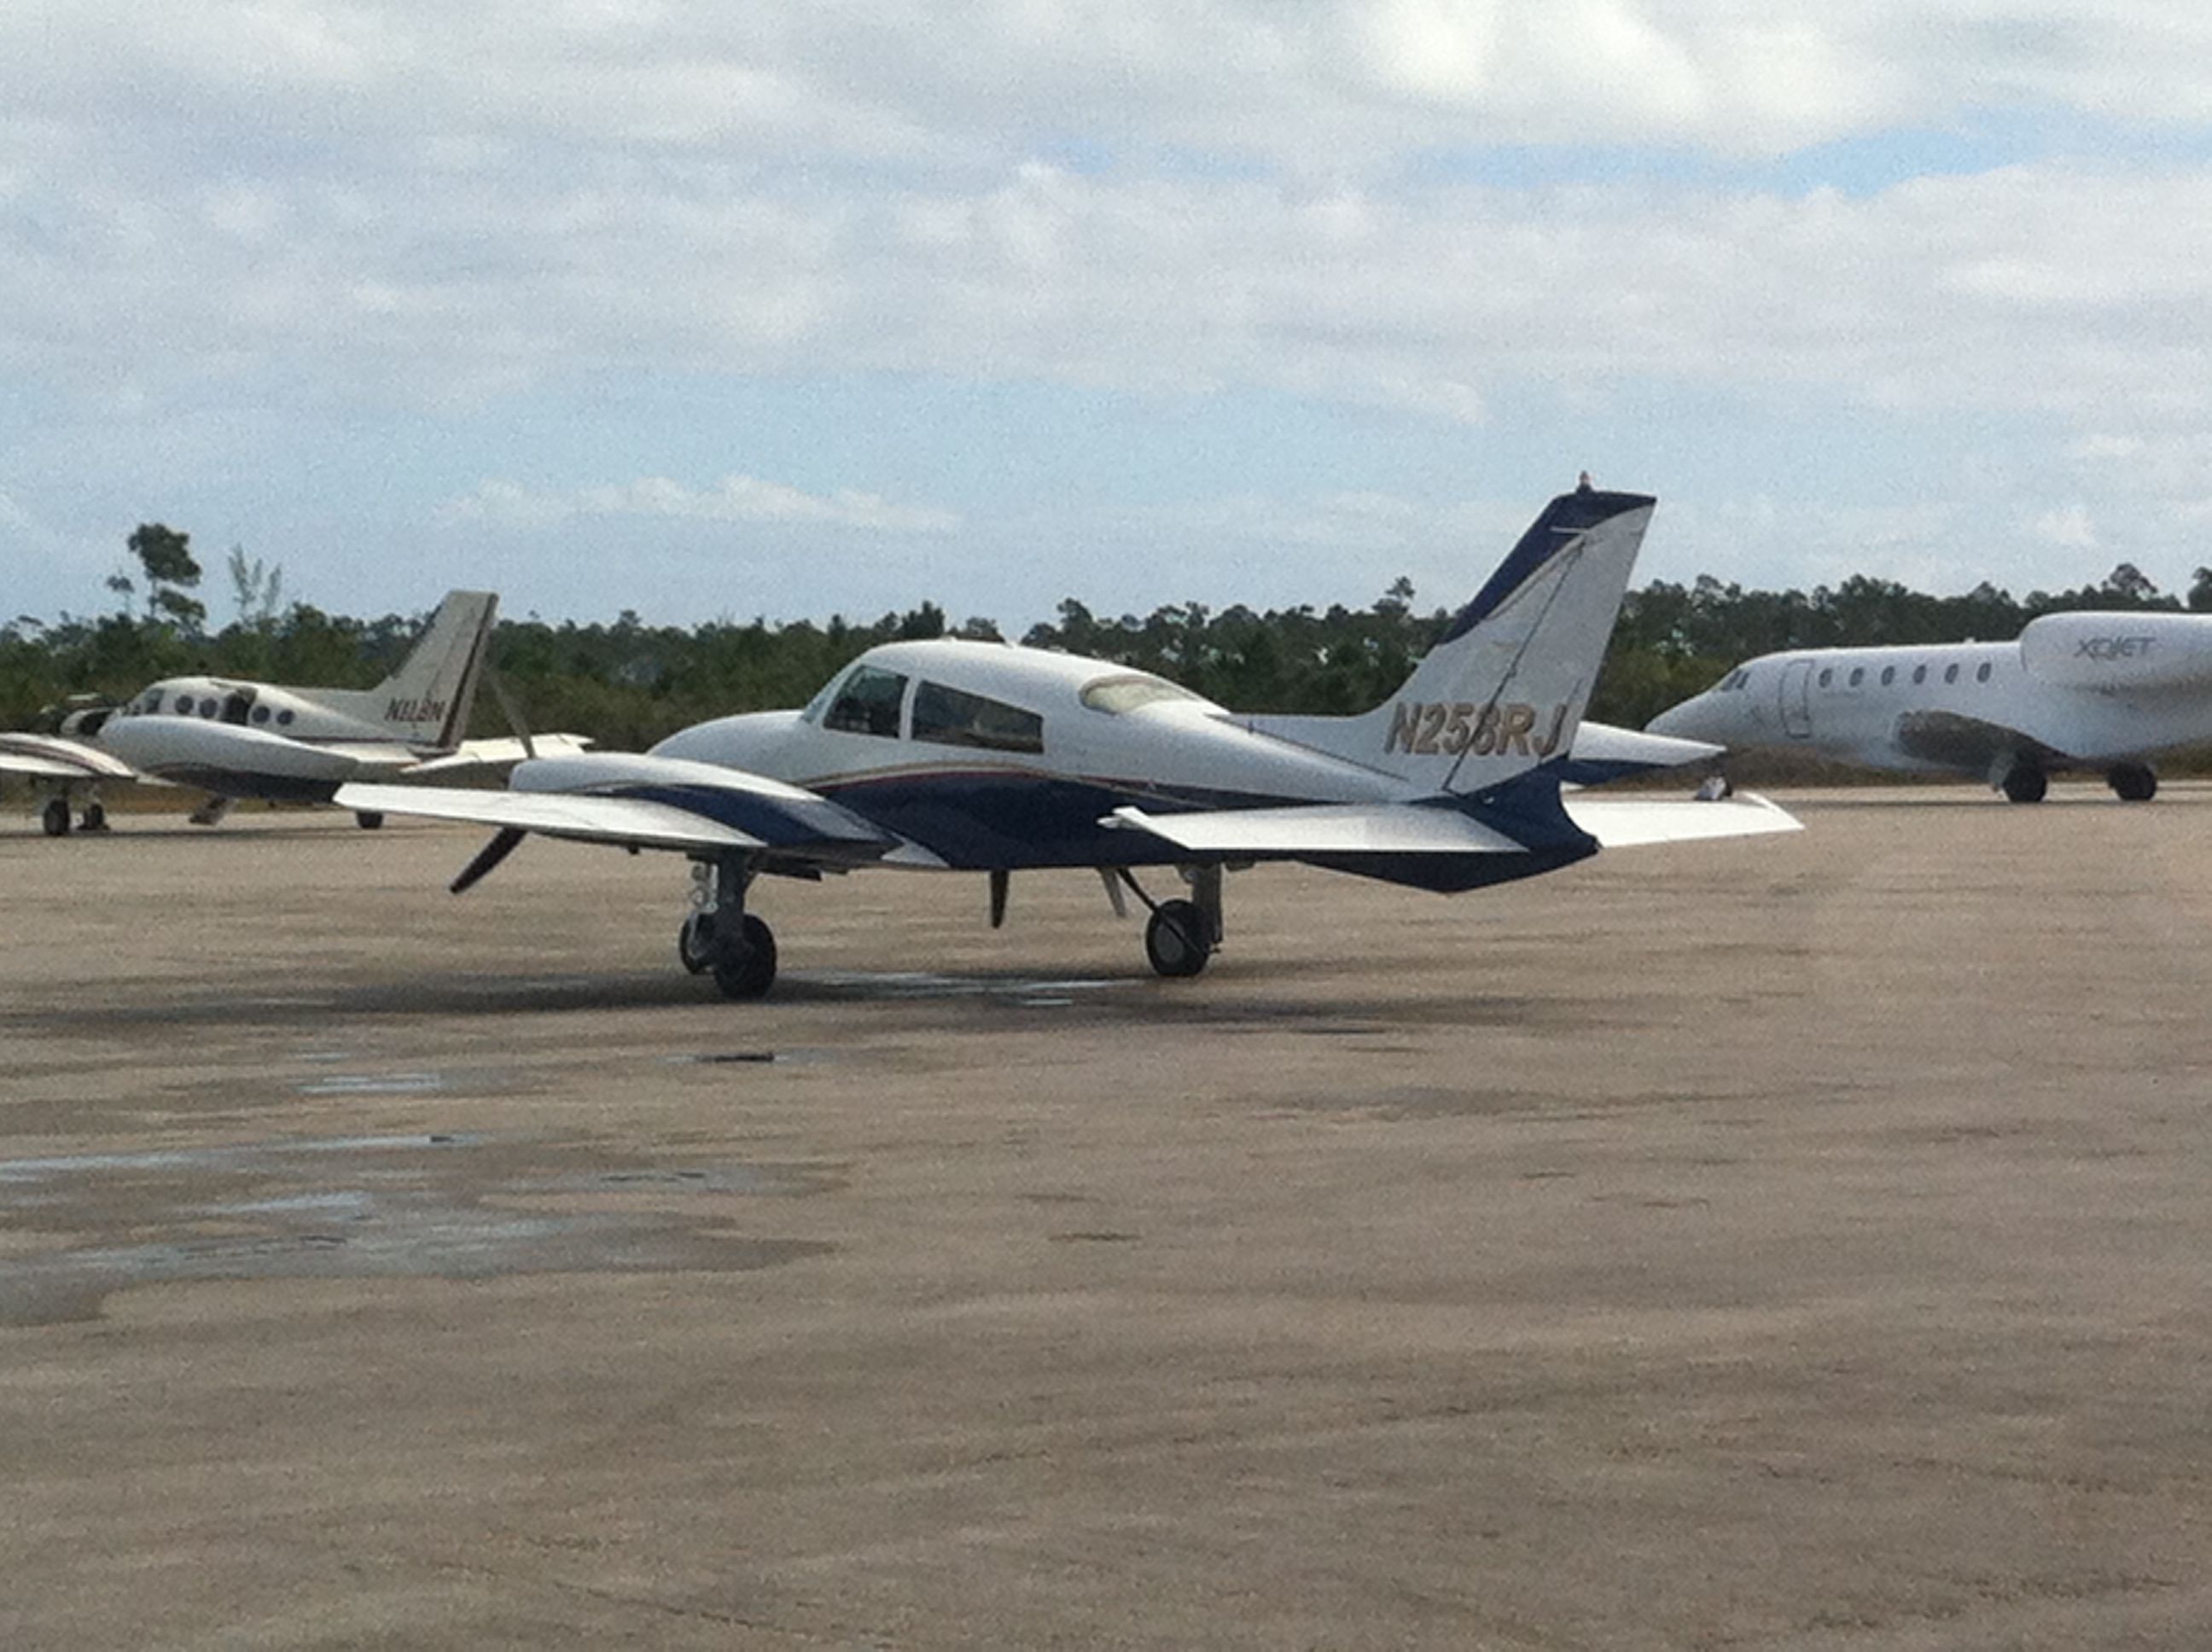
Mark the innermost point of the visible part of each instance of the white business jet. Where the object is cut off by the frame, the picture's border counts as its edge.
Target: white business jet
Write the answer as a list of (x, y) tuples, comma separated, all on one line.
[(2098, 691), (977, 756), (240, 739)]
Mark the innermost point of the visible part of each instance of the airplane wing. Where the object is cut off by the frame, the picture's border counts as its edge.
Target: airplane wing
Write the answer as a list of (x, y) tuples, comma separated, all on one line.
[(1399, 829), (52, 757), (655, 802)]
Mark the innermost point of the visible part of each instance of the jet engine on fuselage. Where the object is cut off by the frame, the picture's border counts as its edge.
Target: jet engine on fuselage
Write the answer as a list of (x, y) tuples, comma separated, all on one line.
[(2118, 651)]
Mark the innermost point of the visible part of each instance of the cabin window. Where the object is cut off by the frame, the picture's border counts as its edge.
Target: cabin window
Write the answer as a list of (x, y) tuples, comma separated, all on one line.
[(1827, 676), (868, 703), (261, 714), (184, 705), (283, 718), (1950, 673), (1888, 675), (1982, 672), (954, 717), (1129, 689), (1919, 673), (1858, 674), (208, 707)]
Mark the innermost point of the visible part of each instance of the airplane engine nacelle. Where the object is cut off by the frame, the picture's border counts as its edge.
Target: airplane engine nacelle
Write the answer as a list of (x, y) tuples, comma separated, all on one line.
[(2119, 651)]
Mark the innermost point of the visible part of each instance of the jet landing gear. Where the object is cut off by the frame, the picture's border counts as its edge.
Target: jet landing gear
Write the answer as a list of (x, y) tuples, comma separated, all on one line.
[(720, 936), (54, 817), (2024, 783), (2132, 782), (1181, 935)]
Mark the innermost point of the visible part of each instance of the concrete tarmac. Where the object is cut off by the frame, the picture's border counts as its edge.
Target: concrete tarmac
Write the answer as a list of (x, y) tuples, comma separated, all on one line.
[(1798, 1242)]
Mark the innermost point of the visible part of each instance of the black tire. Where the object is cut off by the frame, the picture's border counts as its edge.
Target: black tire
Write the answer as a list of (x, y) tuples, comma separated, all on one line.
[(1175, 940), (2132, 783), (2026, 784), (694, 942), (368, 820), (745, 963), (95, 818), (54, 817)]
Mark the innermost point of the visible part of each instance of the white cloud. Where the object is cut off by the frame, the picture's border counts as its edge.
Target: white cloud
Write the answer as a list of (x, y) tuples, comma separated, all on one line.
[(733, 499)]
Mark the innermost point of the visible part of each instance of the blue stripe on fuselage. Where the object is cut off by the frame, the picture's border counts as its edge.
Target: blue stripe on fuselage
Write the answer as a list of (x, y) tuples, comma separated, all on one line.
[(978, 819)]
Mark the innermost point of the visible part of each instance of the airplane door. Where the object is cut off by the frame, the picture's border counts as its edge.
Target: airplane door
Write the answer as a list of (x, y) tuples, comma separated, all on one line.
[(1796, 706)]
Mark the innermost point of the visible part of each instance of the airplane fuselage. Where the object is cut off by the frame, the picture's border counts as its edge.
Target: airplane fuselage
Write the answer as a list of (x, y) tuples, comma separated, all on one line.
[(990, 756), (252, 740)]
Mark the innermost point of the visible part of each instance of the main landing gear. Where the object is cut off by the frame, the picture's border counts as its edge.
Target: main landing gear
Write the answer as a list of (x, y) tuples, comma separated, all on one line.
[(54, 816), (1181, 935), (2132, 782), (721, 937), (2024, 783)]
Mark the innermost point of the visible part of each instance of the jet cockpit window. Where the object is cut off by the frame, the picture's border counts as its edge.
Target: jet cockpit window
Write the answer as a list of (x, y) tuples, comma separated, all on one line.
[(954, 717), (1127, 691), (868, 703)]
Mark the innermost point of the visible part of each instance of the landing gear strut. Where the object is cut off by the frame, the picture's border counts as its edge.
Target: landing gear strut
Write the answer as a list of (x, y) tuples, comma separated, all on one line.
[(721, 937), (1182, 935), (2132, 782), (54, 817)]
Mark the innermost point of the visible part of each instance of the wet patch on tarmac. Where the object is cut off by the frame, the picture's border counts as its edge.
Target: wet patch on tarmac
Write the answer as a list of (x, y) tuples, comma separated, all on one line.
[(447, 1206)]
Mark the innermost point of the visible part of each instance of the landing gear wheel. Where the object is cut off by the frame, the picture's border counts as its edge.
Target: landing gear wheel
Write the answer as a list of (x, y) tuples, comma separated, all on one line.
[(54, 817), (95, 818), (694, 942), (369, 819), (1175, 939), (2026, 784), (2132, 782), (745, 963)]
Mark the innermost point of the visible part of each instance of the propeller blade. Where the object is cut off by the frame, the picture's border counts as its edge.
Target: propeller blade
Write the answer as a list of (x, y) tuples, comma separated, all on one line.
[(512, 709), (501, 846)]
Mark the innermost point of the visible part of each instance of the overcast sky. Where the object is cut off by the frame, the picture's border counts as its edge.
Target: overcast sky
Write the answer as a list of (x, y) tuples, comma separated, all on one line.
[(806, 305)]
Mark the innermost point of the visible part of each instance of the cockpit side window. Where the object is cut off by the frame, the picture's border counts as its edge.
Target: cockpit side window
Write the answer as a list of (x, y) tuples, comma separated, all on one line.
[(955, 717), (868, 703)]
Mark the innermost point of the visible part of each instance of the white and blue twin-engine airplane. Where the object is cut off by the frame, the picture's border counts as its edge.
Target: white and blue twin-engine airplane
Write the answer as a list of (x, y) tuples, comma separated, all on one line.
[(2099, 691), (977, 756)]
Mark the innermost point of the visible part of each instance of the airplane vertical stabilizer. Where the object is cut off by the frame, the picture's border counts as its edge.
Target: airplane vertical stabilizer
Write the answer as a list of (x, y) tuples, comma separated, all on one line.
[(1504, 689), (428, 700)]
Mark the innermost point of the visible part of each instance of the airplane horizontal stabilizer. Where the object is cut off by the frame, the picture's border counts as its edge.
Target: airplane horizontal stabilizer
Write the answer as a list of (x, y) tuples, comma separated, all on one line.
[(1322, 829), (1627, 823)]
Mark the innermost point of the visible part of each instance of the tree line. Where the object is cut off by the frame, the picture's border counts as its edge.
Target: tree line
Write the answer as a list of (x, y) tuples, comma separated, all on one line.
[(628, 683)]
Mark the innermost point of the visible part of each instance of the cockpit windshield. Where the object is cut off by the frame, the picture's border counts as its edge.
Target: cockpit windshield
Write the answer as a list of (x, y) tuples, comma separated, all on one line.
[(1127, 691)]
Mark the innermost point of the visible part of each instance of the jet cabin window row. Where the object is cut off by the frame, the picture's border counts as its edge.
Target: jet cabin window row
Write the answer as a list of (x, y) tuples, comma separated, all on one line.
[(1741, 678), (1889, 675)]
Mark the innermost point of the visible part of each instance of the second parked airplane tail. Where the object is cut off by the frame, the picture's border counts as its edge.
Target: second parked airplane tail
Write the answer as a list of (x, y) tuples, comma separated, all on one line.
[(427, 701), (1504, 688)]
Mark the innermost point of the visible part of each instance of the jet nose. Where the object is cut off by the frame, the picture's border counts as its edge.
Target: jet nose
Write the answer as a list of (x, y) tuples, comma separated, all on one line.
[(1687, 721)]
